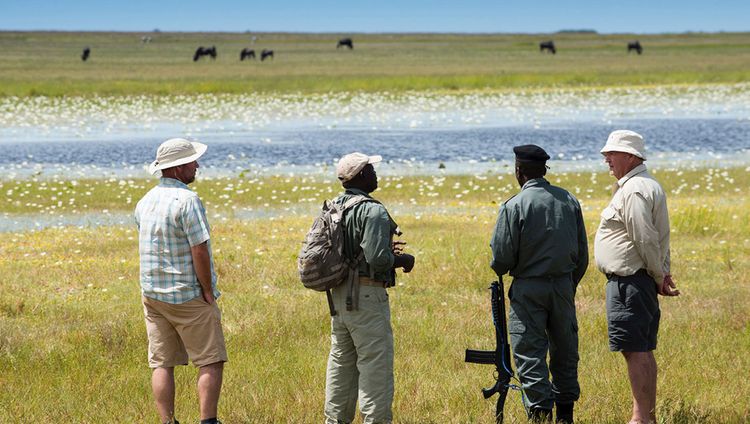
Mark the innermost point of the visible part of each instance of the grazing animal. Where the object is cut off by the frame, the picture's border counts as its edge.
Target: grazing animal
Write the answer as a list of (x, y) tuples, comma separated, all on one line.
[(266, 54), (636, 45), (204, 51), (345, 42), (86, 53), (547, 45), (247, 53), (145, 39)]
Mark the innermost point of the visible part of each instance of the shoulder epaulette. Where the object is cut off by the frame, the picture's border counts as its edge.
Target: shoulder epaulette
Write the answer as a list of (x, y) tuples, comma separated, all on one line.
[(509, 199)]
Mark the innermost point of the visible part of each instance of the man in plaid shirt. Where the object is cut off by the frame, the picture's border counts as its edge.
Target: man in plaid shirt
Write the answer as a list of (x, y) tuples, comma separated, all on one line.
[(178, 282)]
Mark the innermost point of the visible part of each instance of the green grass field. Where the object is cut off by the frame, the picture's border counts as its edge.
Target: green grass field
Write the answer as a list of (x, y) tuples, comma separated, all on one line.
[(48, 63), (72, 337), (73, 343)]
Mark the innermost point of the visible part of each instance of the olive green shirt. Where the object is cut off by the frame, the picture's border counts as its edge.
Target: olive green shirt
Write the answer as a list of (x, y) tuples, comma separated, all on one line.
[(540, 233), (369, 229)]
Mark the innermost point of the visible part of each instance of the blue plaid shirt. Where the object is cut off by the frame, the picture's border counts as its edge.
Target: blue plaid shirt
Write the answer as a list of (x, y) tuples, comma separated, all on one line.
[(171, 219)]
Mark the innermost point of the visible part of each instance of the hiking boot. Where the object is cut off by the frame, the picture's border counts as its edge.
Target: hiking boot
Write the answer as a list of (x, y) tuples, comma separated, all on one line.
[(564, 413), (539, 415)]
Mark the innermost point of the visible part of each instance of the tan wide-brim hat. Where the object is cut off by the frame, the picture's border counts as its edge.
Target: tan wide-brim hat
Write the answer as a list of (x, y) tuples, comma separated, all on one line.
[(352, 164), (625, 141), (176, 152)]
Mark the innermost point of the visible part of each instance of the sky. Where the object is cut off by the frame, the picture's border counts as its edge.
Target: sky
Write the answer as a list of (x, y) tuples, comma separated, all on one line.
[(372, 16)]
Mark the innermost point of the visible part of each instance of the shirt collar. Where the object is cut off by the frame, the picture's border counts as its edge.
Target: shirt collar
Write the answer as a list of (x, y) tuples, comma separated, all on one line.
[(357, 191), (633, 172), (171, 182), (534, 183)]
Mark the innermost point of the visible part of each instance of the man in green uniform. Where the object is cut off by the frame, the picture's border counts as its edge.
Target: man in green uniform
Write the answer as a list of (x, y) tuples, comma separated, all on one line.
[(360, 365), (541, 241)]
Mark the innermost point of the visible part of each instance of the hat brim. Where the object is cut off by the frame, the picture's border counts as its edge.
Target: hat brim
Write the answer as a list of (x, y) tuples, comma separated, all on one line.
[(370, 160), (622, 149), (200, 149), (374, 159)]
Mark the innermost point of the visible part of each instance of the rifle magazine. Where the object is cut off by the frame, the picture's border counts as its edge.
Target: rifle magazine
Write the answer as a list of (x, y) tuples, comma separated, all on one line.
[(482, 357)]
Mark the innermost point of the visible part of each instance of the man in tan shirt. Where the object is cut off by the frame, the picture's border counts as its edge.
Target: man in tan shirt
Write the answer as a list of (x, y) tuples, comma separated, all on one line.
[(631, 248)]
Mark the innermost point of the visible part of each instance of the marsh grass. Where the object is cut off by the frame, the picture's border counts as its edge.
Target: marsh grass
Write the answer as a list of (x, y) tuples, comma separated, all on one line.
[(294, 194), (73, 343), (48, 63)]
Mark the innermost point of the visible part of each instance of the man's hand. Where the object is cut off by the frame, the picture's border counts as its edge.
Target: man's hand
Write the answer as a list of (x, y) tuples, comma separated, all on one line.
[(397, 247), (403, 260), (208, 297), (668, 287)]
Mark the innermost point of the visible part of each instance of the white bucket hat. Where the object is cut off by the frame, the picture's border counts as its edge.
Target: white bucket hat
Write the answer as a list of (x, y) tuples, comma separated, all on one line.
[(627, 142), (176, 152), (351, 165)]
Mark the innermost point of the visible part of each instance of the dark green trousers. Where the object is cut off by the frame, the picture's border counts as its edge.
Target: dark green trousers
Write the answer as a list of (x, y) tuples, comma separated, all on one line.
[(542, 320)]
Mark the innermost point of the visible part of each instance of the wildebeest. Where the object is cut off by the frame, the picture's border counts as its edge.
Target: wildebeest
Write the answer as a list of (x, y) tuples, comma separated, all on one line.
[(547, 45), (265, 54), (204, 51), (85, 54), (247, 53), (345, 42), (635, 45)]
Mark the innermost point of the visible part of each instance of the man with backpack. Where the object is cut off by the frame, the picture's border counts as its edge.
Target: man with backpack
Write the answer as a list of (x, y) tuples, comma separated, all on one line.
[(360, 365)]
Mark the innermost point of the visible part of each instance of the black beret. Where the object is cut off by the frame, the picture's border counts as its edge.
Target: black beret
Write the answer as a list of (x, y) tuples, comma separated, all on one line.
[(530, 153)]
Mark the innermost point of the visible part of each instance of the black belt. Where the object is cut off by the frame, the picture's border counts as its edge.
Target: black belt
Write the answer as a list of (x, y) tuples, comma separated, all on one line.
[(640, 273), (366, 281)]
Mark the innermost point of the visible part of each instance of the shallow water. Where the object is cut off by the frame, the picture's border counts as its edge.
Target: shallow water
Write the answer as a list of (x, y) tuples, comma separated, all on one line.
[(32, 222), (414, 132), (38, 221), (694, 138)]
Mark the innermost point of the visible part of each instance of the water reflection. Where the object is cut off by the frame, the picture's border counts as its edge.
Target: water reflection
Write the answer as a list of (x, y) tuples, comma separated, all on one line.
[(293, 149)]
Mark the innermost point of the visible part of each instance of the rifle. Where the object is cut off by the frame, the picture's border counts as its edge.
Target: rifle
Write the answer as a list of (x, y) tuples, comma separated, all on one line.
[(500, 357)]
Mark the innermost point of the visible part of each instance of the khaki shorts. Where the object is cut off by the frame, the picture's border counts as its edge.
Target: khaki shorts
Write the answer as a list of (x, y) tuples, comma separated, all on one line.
[(178, 332)]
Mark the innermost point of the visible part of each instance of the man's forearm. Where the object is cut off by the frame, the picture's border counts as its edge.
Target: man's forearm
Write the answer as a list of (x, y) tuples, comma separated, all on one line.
[(650, 254), (202, 266), (499, 265)]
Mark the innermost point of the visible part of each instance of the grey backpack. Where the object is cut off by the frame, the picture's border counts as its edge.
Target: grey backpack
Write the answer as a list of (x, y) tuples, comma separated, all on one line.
[(322, 264)]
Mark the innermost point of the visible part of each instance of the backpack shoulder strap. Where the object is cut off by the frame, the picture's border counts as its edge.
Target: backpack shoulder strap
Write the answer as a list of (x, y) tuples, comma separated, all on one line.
[(355, 200)]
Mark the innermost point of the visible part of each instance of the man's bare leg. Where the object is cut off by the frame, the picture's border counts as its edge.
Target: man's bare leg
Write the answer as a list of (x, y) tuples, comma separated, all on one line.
[(209, 388), (642, 375), (162, 384)]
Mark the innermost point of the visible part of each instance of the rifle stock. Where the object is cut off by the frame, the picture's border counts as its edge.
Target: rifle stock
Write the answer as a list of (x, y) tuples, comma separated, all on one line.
[(500, 357)]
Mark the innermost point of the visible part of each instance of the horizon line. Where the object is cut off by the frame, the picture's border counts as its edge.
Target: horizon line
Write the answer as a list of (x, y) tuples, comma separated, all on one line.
[(561, 31)]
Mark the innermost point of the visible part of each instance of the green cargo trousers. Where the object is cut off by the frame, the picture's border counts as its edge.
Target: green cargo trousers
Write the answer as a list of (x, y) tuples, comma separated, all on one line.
[(360, 365), (542, 319)]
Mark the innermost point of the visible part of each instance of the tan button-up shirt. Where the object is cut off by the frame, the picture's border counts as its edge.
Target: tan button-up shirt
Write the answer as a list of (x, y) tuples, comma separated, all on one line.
[(634, 230)]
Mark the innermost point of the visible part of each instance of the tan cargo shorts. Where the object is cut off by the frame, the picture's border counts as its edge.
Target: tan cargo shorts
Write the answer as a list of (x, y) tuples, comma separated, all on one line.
[(178, 332)]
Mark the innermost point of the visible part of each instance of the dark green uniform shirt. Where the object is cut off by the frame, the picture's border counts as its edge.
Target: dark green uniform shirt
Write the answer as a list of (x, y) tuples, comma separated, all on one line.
[(369, 229), (539, 233)]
